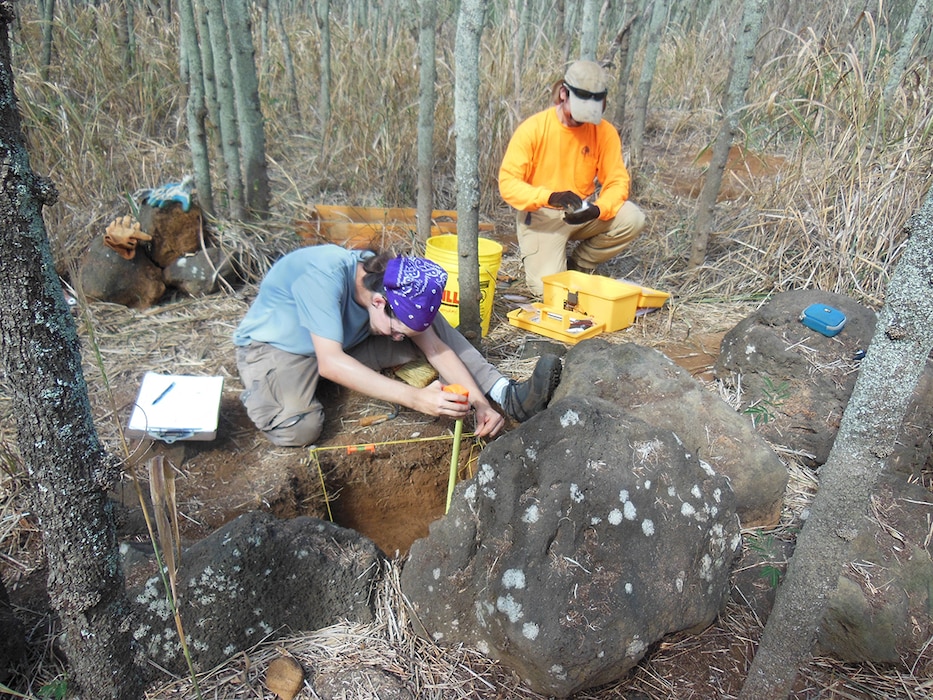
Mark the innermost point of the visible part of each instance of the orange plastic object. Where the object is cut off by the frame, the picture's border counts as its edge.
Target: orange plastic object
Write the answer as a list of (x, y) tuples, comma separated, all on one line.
[(360, 448), (457, 389)]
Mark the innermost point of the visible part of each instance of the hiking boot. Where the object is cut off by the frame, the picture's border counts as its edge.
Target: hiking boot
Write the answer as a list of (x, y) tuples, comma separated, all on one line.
[(525, 399), (575, 266)]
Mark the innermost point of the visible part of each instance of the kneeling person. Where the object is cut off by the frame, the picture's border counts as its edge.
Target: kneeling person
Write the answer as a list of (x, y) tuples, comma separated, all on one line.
[(325, 311)]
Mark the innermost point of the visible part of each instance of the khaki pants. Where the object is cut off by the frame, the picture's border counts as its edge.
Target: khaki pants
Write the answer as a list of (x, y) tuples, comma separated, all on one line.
[(280, 387), (543, 237)]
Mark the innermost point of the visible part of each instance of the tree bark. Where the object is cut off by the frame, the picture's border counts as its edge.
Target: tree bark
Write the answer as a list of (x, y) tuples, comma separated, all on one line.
[(249, 115), (915, 25), (466, 119), (870, 425), (47, 13), (650, 62), (743, 58), (59, 446), (226, 100), (196, 109), (323, 105), (293, 104), (589, 30), (427, 41)]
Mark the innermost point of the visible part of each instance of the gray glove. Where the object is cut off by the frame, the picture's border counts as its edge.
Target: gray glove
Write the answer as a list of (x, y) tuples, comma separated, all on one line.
[(581, 216)]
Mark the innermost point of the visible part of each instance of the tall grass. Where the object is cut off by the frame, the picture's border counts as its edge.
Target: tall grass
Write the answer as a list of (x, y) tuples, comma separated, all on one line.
[(832, 219)]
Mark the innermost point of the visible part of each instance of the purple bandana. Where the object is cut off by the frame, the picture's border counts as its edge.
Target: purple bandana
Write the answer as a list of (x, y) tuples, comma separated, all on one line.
[(414, 287)]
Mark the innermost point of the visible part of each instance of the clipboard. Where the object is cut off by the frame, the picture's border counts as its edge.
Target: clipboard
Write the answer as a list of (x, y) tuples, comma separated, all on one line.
[(172, 407)]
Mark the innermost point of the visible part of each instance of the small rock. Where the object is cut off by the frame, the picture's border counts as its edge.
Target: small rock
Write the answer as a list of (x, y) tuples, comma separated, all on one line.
[(284, 677)]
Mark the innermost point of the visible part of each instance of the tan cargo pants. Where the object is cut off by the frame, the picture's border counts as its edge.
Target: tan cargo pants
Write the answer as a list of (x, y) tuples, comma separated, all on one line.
[(543, 237)]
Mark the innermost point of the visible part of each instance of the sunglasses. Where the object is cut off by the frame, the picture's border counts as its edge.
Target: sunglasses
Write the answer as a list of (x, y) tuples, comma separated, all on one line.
[(586, 94)]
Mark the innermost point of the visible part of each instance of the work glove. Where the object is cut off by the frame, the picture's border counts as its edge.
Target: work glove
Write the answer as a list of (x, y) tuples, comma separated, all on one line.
[(123, 234), (170, 192), (581, 216), (565, 200)]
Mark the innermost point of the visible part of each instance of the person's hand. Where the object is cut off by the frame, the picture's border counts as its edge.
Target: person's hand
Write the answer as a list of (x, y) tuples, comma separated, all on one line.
[(488, 421), (565, 200), (581, 216), (434, 401)]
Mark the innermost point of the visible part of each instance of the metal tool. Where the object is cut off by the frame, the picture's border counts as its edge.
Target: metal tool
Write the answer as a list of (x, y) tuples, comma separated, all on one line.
[(380, 418)]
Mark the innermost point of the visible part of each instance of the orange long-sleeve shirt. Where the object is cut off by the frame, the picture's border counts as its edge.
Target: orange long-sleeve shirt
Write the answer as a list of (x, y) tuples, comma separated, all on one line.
[(544, 156)]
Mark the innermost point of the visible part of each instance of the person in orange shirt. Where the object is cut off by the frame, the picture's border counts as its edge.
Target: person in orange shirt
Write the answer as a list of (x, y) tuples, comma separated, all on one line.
[(549, 175)]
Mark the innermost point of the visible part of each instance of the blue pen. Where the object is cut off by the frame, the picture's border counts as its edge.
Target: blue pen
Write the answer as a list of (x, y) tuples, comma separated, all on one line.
[(162, 395)]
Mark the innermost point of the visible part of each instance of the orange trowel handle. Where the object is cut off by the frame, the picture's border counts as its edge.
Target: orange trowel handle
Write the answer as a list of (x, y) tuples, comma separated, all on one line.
[(457, 389)]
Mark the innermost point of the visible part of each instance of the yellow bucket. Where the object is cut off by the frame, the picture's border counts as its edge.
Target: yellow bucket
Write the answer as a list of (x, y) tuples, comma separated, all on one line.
[(443, 251)]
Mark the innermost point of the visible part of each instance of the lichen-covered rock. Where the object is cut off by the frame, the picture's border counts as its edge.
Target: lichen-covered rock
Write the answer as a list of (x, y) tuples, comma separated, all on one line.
[(585, 536), (801, 380), (650, 386), (197, 274), (106, 276), (882, 610), (258, 578)]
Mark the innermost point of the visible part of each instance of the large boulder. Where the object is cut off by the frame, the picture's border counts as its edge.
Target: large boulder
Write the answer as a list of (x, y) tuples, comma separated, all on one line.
[(650, 386), (258, 578), (200, 273), (175, 232), (106, 276), (797, 382), (586, 536), (882, 610)]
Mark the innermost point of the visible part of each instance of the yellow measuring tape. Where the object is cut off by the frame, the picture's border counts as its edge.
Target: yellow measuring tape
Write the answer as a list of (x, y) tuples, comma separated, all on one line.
[(370, 447)]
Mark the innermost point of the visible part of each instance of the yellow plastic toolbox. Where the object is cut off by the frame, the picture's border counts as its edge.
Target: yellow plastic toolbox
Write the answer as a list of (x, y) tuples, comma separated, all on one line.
[(559, 324), (601, 298)]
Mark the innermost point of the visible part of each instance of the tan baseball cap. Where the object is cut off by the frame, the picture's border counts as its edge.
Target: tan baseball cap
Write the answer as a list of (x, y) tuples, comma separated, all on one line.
[(587, 83)]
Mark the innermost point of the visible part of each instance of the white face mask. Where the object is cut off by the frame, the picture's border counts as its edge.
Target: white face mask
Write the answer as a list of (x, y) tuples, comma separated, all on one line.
[(585, 106)]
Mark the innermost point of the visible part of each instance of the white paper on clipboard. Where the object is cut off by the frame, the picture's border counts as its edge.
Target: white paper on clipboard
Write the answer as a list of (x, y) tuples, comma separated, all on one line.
[(173, 407)]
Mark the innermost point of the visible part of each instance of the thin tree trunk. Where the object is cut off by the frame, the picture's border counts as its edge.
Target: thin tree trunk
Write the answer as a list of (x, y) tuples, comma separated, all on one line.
[(621, 45), (652, 47), (67, 465), (466, 111), (226, 100), (323, 18), (870, 425), (47, 15), (427, 41), (915, 25), (742, 60), (589, 30), (249, 115), (292, 104), (196, 110)]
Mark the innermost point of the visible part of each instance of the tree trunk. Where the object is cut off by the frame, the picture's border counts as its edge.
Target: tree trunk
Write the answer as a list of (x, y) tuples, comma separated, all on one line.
[(870, 425), (652, 47), (621, 45), (427, 39), (47, 15), (466, 111), (589, 30), (226, 100), (323, 105), (292, 104), (743, 58), (915, 26), (196, 110), (63, 456), (249, 115)]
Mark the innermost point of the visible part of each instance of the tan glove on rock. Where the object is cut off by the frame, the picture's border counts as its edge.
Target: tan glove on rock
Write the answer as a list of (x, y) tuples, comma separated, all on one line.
[(123, 234)]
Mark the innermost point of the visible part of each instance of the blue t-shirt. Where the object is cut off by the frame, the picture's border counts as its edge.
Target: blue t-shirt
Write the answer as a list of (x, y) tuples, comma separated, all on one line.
[(310, 290)]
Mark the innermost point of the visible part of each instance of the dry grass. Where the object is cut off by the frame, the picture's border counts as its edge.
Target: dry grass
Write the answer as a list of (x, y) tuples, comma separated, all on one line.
[(832, 219)]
